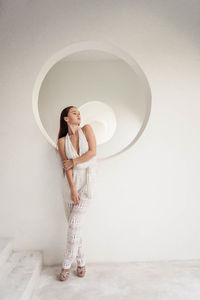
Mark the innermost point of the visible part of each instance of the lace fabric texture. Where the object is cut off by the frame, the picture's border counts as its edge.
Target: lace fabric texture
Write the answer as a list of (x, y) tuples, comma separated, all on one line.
[(84, 177)]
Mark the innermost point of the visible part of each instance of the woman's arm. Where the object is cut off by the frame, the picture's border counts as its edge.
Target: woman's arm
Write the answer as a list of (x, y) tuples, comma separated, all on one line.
[(90, 136), (69, 172)]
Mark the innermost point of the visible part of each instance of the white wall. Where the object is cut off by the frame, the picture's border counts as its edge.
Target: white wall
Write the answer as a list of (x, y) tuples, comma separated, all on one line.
[(147, 209)]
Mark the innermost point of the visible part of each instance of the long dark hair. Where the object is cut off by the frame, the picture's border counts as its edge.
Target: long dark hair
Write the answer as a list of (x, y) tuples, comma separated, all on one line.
[(63, 125)]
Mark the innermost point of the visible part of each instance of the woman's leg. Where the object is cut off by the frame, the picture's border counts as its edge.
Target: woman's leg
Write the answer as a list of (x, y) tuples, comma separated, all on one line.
[(80, 257), (74, 240)]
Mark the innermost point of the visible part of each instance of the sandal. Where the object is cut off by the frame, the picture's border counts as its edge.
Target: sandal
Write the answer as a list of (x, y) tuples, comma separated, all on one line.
[(81, 271), (64, 274)]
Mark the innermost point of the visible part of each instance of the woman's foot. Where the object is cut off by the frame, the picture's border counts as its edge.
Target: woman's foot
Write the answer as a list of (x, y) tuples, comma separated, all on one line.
[(64, 274), (81, 271)]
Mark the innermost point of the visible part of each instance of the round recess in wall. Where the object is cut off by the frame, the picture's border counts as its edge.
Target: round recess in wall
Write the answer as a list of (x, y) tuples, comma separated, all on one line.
[(102, 119), (101, 71)]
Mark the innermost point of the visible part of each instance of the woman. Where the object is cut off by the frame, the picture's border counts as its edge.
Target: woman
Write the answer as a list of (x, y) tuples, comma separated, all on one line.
[(77, 149)]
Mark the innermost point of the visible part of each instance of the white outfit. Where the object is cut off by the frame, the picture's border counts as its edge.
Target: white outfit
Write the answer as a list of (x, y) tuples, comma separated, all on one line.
[(84, 178)]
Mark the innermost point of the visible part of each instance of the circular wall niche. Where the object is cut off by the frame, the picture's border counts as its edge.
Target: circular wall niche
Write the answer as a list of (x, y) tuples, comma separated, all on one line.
[(108, 87)]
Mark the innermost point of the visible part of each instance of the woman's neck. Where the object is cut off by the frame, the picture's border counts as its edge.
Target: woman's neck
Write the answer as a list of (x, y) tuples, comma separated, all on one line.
[(72, 130)]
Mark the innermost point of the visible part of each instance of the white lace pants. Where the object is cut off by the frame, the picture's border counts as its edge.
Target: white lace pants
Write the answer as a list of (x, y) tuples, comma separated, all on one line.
[(74, 246)]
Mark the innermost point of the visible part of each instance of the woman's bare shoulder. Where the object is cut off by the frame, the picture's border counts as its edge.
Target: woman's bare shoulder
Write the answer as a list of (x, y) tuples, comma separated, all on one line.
[(61, 140), (86, 127)]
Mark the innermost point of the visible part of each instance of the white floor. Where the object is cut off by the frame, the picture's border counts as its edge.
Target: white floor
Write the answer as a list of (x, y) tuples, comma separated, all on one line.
[(23, 277), (164, 280)]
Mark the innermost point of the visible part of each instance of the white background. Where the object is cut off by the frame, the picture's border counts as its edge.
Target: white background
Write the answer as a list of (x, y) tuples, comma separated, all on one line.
[(147, 205)]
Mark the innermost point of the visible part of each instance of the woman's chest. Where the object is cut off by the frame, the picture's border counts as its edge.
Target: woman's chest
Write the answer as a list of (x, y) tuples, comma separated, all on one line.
[(76, 146)]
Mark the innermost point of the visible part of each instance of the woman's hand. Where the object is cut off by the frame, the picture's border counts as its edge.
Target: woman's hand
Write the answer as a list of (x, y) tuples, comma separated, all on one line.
[(75, 196), (67, 164)]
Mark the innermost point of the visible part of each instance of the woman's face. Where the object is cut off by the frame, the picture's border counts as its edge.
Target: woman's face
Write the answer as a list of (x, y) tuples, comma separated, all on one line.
[(74, 116)]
